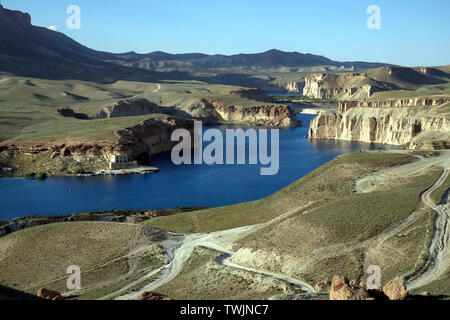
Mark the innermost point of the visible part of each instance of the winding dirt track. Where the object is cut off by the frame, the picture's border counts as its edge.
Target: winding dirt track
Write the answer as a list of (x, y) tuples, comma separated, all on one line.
[(181, 248), (439, 247)]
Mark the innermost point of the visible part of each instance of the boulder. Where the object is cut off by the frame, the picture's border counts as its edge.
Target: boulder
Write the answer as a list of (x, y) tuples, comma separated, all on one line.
[(48, 294), (396, 289), (342, 289)]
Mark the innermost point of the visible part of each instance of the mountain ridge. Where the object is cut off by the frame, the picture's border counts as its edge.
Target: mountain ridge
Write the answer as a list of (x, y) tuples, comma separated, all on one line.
[(52, 54)]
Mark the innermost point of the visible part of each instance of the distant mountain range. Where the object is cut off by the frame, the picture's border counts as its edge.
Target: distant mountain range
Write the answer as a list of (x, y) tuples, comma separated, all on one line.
[(33, 51)]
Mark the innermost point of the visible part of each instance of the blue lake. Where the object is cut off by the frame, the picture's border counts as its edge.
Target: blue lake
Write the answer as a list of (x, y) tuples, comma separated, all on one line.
[(174, 186)]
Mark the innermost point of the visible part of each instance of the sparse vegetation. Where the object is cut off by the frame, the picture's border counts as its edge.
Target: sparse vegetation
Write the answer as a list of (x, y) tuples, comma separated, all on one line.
[(330, 182), (202, 278), (439, 193), (99, 249)]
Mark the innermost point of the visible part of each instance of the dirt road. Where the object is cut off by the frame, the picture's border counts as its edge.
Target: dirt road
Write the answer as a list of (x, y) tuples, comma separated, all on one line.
[(439, 247), (388, 176), (180, 248)]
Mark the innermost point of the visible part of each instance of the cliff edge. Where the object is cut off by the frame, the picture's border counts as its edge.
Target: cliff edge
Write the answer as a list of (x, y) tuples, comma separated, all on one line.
[(413, 127)]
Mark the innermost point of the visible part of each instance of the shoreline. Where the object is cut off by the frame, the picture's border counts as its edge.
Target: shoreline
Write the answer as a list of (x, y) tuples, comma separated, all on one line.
[(119, 216), (105, 172)]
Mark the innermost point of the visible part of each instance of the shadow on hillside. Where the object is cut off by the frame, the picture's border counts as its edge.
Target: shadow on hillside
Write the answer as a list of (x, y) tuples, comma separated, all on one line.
[(7, 293)]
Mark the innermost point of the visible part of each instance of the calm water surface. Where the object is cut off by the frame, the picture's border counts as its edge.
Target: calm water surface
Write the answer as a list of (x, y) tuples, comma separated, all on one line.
[(174, 186)]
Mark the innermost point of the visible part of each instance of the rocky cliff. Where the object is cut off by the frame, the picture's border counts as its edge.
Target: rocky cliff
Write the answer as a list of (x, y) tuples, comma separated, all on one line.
[(414, 127), (127, 108), (348, 86), (266, 115), (151, 136), (141, 141), (210, 111), (395, 103)]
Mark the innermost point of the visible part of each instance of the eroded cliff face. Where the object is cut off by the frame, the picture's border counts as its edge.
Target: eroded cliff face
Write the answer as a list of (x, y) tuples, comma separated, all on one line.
[(143, 140), (211, 111), (395, 103), (412, 127), (262, 115), (343, 87), (128, 108), (329, 86), (151, 136)]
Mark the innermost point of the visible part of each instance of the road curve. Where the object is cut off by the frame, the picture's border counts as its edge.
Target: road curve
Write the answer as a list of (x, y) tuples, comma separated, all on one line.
[(180, 250)]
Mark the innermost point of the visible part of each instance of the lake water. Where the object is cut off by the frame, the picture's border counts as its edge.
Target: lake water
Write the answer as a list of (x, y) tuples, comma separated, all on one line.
[(174, 186)]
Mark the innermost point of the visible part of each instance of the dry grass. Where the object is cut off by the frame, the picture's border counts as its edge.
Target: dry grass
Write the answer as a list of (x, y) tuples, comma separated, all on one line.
[(333, 181), (39, 256), (203, 279)]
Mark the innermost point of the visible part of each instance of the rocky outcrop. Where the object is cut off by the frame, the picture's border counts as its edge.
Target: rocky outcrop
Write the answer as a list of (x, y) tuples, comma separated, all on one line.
[(396, 126), (151, 136), (252, 94), (128, 108), (47, 294), (342, 289), (69, 113), (266, 115), (78, 150), (396, 289), (395, 103), (141, 141), (330, 86), (153, 296)]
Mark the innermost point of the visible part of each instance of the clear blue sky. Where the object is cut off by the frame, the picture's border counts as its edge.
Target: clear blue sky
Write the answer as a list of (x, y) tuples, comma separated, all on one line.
[(413, 32)]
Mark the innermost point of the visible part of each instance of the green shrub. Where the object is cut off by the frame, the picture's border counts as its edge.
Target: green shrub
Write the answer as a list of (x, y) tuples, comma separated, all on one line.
[(41, 175), (78, 171)]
